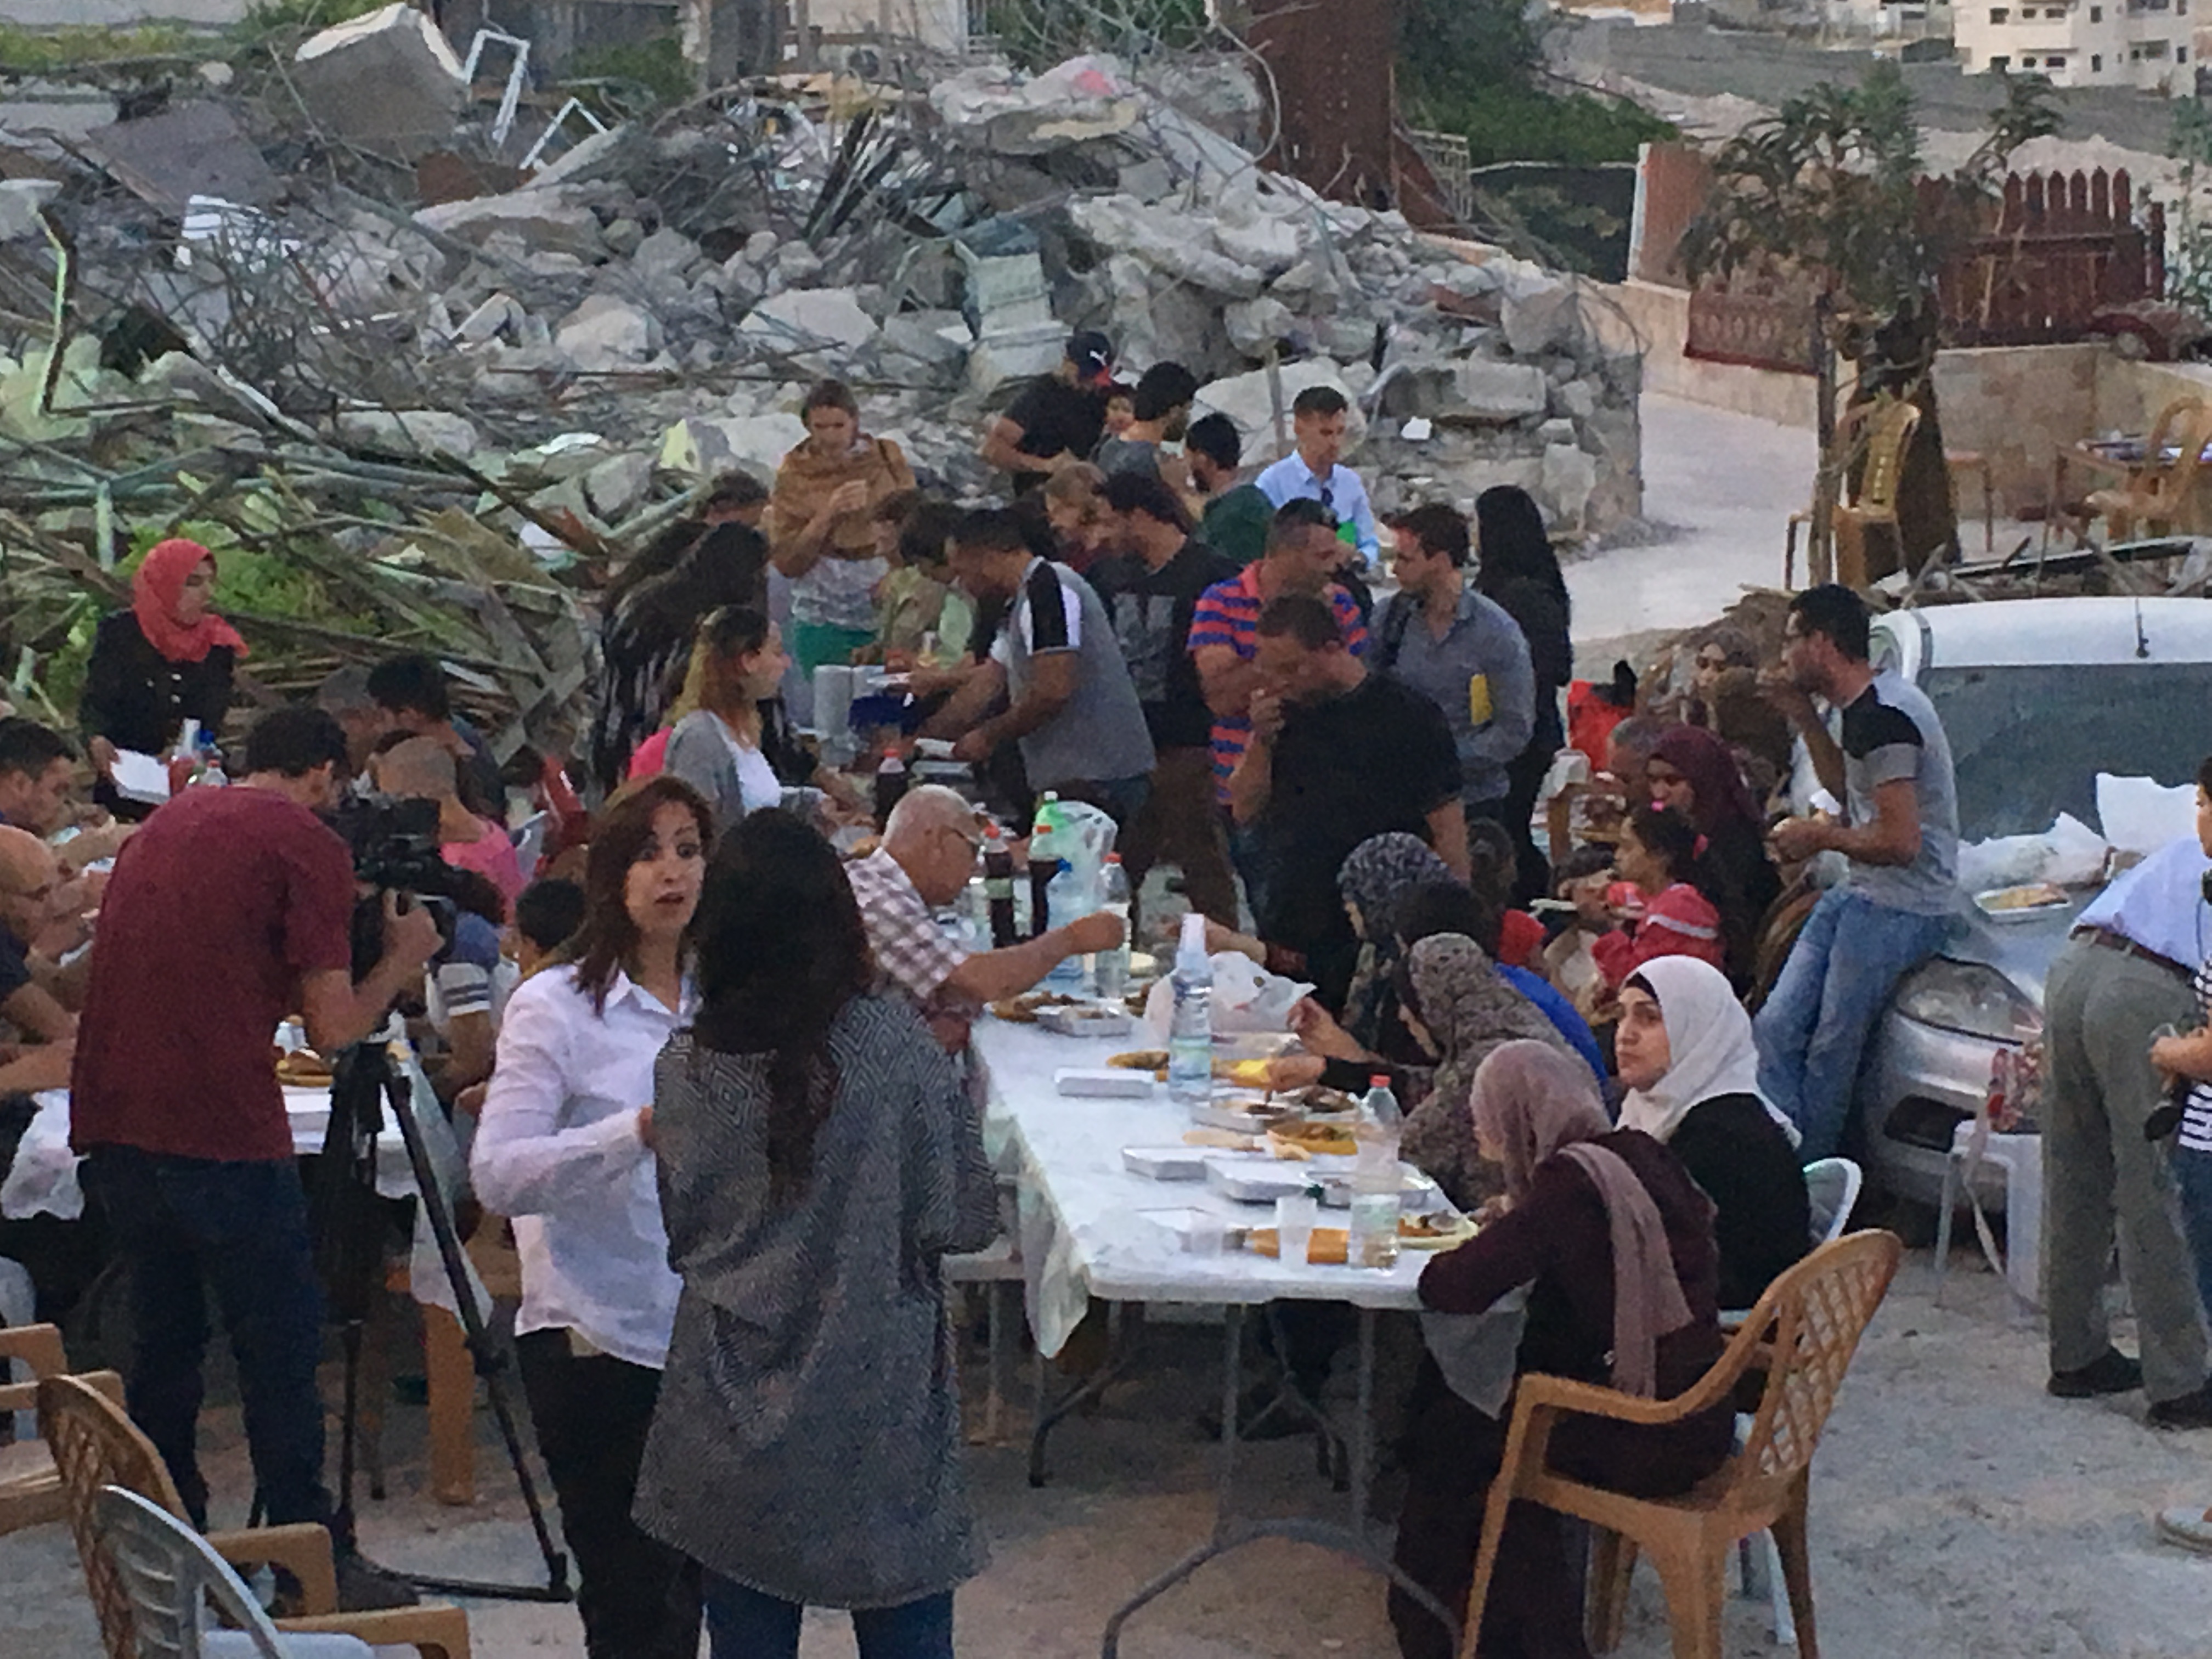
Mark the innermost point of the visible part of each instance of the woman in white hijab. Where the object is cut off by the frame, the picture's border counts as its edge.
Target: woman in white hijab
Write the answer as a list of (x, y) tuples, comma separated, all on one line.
[(1686, 1057)]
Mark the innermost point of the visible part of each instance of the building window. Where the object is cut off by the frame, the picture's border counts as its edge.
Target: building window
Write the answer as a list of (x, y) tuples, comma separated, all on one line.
[(2096, 62), (2181, 54), (2054, 62), (2155, 50), (2000, 14), (2096, 13), (1999, 65)]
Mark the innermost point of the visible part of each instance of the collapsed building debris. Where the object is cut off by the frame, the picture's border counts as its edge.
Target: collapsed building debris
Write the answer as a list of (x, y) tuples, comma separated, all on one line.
[(552, 367)]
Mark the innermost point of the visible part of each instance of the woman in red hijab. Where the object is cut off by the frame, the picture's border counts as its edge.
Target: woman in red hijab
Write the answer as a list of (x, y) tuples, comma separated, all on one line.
[(166, 660), (1697, 774)]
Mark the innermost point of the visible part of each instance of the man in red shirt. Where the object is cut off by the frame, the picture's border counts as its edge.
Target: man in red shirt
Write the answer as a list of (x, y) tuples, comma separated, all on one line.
[(228, 910)]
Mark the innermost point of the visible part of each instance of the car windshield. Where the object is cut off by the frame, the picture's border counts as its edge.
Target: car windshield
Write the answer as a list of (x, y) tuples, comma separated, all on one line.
[(2028, 742)]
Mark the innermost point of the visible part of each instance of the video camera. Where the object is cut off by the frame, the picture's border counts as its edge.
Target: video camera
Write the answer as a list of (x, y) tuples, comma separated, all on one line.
[(395, 849)]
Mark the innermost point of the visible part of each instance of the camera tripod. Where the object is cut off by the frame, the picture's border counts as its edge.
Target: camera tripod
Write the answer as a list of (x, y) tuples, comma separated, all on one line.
[(364, 1081)]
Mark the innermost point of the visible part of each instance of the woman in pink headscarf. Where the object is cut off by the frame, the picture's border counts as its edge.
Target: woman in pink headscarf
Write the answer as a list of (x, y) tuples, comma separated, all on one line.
[(1615, 1243), (166, 659)]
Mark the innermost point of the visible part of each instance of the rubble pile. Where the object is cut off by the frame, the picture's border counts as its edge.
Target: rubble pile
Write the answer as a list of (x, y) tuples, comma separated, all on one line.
[(383, 385)]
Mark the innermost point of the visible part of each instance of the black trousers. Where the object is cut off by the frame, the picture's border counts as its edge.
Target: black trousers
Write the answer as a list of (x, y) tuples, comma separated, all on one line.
[(638, 1597), (187, 1226)]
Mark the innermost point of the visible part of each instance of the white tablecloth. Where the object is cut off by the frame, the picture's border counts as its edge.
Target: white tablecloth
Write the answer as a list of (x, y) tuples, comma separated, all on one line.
[(43, 1179), (1083, 1232)]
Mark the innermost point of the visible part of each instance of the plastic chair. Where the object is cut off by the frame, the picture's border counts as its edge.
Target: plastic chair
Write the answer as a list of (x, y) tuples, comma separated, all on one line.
[(30, 1485), (96, 1445), (1974, 1144), (170, 1574), (2155, 497), (1832, 1185), (1881, 430), (1803, 1332)]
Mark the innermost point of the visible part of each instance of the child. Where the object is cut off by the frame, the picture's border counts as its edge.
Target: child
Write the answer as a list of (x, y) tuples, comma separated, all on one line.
[(1657, 855), (1494, 874), (546, 914), (1580, 880), (917, 601), (1120, 408)]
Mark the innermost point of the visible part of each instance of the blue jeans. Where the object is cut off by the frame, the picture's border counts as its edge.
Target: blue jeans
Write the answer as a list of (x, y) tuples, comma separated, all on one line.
[(743, 1623), (2192, 1181), (1813, 1028), (185, 1226)]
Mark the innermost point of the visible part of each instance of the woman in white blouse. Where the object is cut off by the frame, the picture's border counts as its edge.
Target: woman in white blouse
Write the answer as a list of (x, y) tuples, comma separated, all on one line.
[(727, 748), (564, 1147)]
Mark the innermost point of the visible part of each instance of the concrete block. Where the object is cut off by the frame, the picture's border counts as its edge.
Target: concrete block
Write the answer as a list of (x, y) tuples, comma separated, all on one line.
[(802, 318), (387, 81), (606, 333), (408, 431)]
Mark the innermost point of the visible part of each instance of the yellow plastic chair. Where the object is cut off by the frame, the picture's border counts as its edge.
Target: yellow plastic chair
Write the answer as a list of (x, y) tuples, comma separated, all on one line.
[(1883, 426)]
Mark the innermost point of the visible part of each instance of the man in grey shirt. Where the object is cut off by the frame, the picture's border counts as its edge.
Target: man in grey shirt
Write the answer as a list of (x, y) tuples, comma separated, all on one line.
[(1071, 703), (1162, 408), (1892, 771), (1463, 652)]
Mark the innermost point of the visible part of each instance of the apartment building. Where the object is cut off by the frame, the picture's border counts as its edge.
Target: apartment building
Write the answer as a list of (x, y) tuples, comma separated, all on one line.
[(2147, 44)]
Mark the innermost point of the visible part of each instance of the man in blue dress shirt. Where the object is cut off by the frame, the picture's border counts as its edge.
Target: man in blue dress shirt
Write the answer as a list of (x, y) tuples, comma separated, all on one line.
[(1312, 472)]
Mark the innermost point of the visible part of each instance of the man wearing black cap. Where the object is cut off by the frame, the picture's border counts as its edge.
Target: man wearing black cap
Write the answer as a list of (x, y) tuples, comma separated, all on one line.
[(1055, 421)]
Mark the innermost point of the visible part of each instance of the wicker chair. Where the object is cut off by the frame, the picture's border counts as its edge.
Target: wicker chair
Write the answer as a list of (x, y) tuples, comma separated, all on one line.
[(30, 1486), (1802, 1332), (96, 1445)]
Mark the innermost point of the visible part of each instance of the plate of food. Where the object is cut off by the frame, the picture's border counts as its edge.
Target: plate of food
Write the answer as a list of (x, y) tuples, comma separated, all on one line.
[(302, 1068), (1302, 1139), (1330, 1246), (1022, 1010), (1154, 1060), (2023, 902)]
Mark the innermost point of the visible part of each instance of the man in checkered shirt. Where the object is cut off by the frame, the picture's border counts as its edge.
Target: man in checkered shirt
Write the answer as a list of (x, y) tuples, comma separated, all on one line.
[(927, 854)]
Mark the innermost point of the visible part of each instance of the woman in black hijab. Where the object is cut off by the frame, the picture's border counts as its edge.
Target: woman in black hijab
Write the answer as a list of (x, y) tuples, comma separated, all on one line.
[(1517, 567)]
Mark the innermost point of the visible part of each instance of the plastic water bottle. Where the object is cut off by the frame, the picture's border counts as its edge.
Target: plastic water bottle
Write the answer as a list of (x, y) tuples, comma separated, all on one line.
[(1110, 969), (1190, 1029), (1375, 1179), (1068, 898)]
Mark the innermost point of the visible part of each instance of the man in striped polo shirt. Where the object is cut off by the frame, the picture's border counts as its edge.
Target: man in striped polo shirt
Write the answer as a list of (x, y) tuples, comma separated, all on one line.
[(1224, 642)]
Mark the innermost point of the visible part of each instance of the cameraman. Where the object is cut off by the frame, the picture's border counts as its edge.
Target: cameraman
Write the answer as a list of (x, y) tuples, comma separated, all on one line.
[(228, 910)]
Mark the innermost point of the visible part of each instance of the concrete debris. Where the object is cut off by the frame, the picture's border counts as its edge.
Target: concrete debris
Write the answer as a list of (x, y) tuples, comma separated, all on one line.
[(387, 81), (801, 320), (605, 333), (424, 432), (992, 108)]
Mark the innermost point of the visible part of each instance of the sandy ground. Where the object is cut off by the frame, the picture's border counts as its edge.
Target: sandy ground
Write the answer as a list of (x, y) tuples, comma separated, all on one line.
[(1957, 1512)]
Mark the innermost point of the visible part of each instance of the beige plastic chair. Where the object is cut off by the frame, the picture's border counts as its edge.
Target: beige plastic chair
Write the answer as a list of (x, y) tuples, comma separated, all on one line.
[(30, 1486), (1882, 430), (96, 1445), (1803, 1333), (2154, 500)]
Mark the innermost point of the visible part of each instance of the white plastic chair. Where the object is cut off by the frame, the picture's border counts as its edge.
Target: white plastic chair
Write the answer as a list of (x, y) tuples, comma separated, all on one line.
[(1832, 1185), (529, 839), (1975, 1144), (171, 1573), (19, 1306)]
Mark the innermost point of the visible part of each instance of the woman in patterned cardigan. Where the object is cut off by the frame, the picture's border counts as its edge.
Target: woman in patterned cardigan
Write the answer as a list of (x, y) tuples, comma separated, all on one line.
[(819, 1156)]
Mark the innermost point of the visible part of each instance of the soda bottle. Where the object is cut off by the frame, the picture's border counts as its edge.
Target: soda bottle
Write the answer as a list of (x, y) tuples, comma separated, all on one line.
[(891, 785), (1044, 862), (999, 888), (1111, 970), (1375, 1179), (1190, 1029)]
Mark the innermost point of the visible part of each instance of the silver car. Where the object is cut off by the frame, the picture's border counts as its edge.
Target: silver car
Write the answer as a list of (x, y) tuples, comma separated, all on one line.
[(2038, 696)]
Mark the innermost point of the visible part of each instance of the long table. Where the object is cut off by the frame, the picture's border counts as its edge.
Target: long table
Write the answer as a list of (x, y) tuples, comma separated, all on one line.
[(1085, 1232), (43, 1180)]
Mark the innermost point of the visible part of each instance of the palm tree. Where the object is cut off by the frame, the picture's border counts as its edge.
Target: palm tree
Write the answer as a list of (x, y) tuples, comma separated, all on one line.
[(1830, 192)]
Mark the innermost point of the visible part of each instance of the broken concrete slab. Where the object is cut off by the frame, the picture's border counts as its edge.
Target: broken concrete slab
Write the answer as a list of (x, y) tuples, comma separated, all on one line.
[(409, 431), (704, 446), (1254, 326), (1540, 315), (804, 318), (386, 81), (605, 333), (617, 484), (539, 219), (664, 251), (1488, 391), (193, 150), (1249, 401), (1161, 237), (993, 109)]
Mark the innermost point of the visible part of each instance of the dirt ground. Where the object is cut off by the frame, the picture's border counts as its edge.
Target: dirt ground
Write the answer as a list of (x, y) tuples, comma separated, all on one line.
[(1958, 1511)]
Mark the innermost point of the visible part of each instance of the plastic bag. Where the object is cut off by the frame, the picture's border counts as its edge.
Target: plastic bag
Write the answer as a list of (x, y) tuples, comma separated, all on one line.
[(2140, 814), (1247, 998)]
